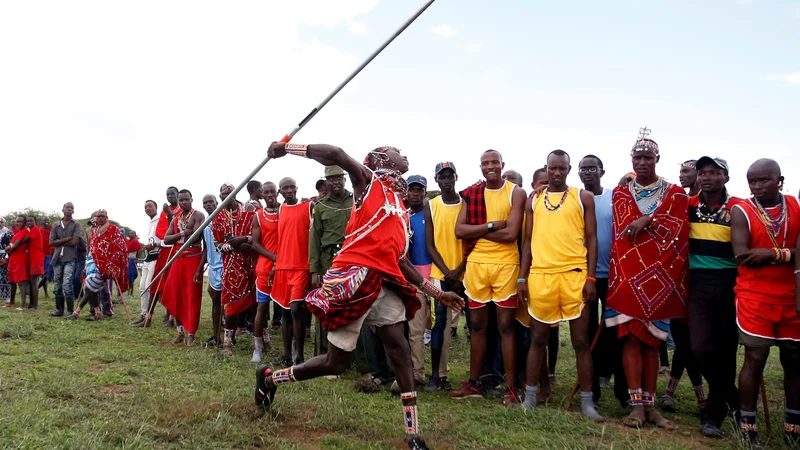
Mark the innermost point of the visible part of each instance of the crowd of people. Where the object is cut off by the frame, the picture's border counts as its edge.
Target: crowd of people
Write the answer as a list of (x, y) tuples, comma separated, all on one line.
[(382, 267)]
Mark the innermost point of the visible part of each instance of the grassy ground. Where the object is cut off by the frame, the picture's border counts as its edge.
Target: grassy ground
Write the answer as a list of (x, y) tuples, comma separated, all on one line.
[(81, 384)]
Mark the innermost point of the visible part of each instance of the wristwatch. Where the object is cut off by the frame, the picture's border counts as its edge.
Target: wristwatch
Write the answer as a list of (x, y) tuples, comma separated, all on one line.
[(490, 226)]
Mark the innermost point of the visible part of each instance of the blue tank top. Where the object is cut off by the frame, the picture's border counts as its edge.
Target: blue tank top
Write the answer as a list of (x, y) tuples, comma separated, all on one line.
[(418, 253)]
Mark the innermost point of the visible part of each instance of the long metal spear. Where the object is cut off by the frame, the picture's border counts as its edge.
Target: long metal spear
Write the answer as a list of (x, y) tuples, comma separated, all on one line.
[(289, 137)]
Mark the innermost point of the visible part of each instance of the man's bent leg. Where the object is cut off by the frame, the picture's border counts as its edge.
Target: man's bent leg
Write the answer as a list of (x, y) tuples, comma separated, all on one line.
[(393, 338)]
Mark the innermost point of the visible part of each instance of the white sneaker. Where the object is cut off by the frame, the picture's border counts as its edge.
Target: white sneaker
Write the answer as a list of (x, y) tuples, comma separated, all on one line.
[(256, 355), (427, 337)]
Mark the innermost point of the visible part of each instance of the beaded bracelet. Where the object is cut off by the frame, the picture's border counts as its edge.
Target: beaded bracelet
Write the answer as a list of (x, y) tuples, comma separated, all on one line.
[(297, 149), (521, 280), (782, 254), (592, 279), (430, 289)]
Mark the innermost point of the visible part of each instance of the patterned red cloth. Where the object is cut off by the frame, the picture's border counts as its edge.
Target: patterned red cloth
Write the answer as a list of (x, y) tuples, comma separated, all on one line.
[(163, 223), (376, 239), (348, 293), (637, 328), (238, 267), (109, 254), (647, 279), (475, 200)]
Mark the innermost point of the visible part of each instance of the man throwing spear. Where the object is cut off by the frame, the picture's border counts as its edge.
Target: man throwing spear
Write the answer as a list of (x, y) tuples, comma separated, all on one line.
[(368, 282)]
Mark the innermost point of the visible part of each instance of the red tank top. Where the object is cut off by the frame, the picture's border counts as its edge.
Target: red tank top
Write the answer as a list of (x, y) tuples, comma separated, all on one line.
[(268, 222), (774, 283), (294, 223), (376, 236)]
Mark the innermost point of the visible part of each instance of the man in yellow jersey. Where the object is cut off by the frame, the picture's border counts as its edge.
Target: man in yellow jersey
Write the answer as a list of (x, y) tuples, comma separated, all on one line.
[(447, 253), (557, 279), (490, 222)]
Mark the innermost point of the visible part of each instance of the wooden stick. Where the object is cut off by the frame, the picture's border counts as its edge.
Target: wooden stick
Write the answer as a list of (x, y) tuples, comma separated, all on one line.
[(764, 403), (591, 349), (122, 299)]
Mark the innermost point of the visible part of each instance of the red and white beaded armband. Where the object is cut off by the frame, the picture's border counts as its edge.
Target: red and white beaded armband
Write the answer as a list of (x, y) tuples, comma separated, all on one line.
[(430, 289), (297, 149)]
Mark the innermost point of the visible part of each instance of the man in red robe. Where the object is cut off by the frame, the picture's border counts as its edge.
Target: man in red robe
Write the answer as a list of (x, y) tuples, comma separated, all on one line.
[(183, 293), (648, 274), (232, 230), (45, 229), (371, 280), (168, 211), (107, 260)]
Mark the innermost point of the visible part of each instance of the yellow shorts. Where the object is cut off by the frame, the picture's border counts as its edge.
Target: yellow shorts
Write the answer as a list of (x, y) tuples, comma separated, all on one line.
[(496, 283), (556, 297)]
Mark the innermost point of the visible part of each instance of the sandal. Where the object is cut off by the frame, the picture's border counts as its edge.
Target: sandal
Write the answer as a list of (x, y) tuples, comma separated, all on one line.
[(635, 419), (653, 416)]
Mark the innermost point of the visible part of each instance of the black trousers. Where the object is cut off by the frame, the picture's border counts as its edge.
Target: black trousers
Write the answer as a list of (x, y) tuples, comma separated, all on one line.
[(714, 342), (607, 354)]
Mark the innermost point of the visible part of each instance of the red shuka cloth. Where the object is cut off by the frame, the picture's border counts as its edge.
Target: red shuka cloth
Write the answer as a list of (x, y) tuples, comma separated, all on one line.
[(110, 256), (647, 279), (132, 245), (238, 267), (376, 238), (46, 240), (18, 261), (35, 252), (182, 296)]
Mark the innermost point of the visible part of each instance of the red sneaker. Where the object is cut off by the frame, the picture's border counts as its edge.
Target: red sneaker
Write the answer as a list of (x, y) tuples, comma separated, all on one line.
[(467, 390), (511, 399)]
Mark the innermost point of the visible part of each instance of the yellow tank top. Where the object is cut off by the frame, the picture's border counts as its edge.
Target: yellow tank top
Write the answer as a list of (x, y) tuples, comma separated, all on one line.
[(557, 241), (498, 207), (447, 244)]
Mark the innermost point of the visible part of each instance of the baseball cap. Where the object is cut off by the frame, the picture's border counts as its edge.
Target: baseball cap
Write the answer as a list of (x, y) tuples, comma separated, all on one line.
[(445, 165), (417, 179), (719, 162)]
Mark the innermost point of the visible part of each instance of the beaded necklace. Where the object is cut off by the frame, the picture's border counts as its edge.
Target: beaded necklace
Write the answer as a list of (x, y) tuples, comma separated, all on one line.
[(266, 212), (550, 206), (648, 198), (774, 224), (714, 214), (183, 221)]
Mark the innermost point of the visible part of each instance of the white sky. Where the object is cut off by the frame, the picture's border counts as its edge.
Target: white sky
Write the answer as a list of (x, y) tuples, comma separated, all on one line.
[(105, 104)]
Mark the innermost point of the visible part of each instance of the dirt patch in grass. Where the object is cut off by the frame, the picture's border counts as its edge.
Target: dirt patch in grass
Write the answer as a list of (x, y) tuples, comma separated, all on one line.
[(115, 390)]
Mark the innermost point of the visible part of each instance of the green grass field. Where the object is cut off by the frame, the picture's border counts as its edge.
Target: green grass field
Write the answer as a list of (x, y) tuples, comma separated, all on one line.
[(80, 384)]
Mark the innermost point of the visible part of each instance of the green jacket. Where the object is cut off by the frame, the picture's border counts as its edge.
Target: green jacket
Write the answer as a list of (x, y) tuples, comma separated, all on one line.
[(329, 220)]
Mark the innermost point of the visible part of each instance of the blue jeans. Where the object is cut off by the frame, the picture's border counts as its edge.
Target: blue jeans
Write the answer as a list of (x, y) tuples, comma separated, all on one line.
[(63, 273), (440, 326)]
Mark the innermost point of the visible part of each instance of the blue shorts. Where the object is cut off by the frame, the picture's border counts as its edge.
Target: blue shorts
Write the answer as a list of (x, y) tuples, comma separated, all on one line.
[(215, 279), (262, 297)]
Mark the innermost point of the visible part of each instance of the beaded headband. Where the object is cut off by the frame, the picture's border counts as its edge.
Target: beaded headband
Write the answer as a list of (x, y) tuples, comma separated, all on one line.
[(378, 153), (692, 164), (643, 143)]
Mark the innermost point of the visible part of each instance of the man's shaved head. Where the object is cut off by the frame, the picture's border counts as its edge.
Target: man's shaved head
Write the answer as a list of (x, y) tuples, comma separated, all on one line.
[(765, 181), (288, 181), (269, 183), (766, 165)]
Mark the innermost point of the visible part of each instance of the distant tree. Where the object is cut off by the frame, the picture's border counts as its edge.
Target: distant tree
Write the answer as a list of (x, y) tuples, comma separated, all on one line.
[(54, 216), (434, 193), (12, 215)]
